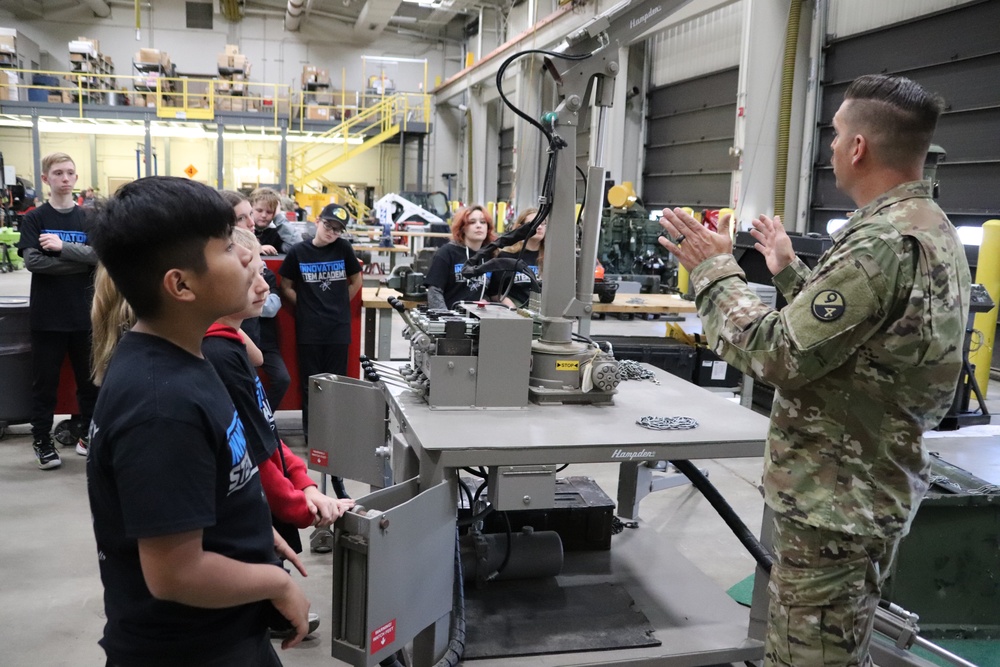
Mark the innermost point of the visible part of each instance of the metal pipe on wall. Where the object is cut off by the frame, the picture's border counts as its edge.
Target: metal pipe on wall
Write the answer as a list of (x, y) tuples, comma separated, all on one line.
[(810, 133), (99, 7), (785, 109), (149, 149), (293, 14)]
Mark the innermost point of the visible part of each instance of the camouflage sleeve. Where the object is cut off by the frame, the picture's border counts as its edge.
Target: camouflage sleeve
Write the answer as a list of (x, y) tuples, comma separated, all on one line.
[(791, 279), (842, 304)]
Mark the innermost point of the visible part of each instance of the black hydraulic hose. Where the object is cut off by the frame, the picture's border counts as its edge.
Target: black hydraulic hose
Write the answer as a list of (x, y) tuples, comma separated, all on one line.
[(506, 555), (886, 616), (725, 510), (456, 641)]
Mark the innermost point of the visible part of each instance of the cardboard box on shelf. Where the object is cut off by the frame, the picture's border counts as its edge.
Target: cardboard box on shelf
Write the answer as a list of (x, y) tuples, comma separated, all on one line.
[(55, 98), (233, 62), (320, 98), (226, 103), (8, 44), (148, 56), (312, 74), (316, 112), (223, 86), (232, 50), (83, 48), (8, 86)]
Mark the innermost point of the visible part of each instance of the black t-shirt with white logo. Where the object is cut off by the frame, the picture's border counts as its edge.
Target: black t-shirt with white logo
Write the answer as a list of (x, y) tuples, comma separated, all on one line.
[(228, 356), (59, 301), (323, 305), (169, 455), (446, 274)]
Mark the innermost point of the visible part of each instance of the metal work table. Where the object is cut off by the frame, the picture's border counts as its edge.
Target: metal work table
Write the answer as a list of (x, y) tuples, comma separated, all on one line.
[(696, 622), (585, 433), (375, 299), (659, 304), (374, 249)]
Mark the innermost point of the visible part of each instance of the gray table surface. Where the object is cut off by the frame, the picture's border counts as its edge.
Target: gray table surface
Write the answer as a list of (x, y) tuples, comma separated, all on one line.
[(587, 433)]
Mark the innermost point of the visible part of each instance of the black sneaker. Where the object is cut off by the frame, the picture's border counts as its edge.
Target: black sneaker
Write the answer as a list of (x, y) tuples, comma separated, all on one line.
[(46, 454)]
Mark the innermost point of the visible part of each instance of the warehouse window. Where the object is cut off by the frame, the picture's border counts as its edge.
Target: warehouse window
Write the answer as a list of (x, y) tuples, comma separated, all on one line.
[(199, 15)]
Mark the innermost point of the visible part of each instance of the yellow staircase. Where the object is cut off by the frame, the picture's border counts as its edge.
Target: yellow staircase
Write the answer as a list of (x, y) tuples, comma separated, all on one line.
[(375, 124), (345, 198)]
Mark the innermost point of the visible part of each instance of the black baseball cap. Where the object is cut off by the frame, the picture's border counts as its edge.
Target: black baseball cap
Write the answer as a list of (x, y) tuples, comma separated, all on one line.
[(335, 213)]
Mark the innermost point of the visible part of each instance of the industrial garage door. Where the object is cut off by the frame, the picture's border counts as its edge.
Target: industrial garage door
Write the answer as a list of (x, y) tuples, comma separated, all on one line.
[(689, 130), (955, 53)]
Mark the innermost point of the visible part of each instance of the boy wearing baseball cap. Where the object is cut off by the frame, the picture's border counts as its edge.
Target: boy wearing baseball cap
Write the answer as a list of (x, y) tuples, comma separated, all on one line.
[(320, 277)]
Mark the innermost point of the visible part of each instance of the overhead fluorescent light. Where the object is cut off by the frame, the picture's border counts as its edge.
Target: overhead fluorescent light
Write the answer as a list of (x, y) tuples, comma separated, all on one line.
[(394, 59)]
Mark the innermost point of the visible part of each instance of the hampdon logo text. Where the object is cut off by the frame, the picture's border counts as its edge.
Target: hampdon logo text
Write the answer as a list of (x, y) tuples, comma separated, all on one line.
[(629, 455), (645, 17)]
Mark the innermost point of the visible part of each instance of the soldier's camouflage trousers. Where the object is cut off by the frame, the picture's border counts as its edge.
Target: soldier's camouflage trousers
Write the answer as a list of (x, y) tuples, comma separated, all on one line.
[(824, 588)]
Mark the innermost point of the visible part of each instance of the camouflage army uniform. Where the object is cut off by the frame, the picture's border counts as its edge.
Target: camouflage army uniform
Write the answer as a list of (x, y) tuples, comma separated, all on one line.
[(865, 357)]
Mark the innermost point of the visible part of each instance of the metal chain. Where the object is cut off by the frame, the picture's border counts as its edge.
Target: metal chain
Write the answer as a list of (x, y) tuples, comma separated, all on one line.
[(667, 423), (955, 487), (633, 370)]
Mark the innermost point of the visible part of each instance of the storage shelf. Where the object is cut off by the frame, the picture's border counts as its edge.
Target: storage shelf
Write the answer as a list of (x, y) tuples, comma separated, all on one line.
[(96, 76)]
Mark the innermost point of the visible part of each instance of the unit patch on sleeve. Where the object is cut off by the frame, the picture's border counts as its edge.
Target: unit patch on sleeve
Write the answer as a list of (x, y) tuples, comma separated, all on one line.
[(828, 305)]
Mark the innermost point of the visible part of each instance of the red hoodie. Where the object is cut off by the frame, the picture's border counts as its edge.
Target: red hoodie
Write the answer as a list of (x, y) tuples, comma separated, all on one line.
[(284, 492)]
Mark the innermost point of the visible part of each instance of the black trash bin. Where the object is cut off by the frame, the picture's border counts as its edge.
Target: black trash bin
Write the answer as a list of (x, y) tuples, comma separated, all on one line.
[(15, 361)]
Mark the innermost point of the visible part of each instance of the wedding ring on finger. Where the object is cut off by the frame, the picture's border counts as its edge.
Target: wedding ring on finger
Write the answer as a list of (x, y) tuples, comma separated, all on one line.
[(679, 239)]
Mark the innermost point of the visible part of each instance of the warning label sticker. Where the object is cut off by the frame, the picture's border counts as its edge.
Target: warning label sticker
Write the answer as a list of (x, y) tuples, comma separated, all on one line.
[(318, 457), (567, 365), (383, 636)]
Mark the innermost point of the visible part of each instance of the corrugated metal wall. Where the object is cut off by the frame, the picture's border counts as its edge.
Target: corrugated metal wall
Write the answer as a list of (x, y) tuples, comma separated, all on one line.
[(849, 17), (955, 53), (691, 111), (689, 128), (708, 43)]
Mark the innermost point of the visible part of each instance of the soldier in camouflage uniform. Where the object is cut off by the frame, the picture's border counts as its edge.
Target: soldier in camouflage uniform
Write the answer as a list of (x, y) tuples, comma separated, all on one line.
[(865, 357)]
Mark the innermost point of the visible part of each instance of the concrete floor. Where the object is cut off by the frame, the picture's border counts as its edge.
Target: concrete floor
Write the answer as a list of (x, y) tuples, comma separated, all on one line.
[(51, 609)]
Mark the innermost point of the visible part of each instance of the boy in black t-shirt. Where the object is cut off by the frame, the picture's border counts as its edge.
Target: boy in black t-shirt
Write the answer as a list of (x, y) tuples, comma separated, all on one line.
[(187, 554), (320, 277), (54, 246)]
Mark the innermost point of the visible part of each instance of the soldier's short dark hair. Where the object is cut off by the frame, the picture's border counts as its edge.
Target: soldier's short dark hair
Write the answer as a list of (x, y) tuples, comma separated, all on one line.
[(896, 115)]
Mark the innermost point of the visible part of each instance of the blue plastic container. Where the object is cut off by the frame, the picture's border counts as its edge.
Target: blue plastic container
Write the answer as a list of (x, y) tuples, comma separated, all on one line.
[(44, 80)]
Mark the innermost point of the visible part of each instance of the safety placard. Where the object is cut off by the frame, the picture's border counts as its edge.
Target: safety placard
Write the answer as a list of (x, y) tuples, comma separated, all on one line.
[(567, 365), (190, 171), (319, 457), (383, 636)]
